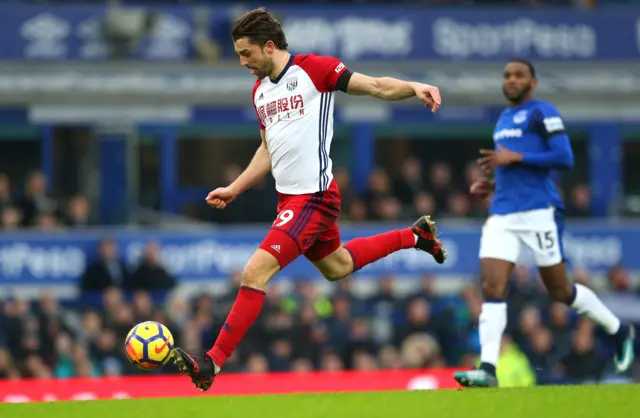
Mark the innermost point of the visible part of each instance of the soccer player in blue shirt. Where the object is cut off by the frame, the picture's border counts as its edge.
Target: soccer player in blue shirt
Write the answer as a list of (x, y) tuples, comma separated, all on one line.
[(526, 211)]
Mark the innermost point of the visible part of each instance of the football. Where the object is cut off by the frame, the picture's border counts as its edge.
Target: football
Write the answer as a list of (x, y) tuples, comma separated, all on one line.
[(149, 345)]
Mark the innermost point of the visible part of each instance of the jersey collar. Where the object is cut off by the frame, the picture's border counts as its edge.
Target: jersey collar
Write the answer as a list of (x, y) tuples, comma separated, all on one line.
[(284, 70)]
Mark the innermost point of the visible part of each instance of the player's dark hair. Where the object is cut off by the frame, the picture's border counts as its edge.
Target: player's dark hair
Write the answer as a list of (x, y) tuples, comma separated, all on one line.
[(528, 63), (259, 26)]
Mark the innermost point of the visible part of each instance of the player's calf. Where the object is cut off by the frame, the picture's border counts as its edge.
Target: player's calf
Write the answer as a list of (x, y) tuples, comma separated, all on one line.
[(246, 309), (556, 282)]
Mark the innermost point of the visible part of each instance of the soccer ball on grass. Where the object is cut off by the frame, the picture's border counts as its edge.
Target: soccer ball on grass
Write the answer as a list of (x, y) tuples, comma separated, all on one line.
[(149, 345)]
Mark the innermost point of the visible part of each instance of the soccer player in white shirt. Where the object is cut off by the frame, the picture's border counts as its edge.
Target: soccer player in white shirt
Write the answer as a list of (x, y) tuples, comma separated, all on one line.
[(293, 97)]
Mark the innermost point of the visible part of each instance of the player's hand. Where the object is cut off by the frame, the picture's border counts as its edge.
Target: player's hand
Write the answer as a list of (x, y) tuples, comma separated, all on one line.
[(221, 197), (429, 94), (481, 188), (502, 157)]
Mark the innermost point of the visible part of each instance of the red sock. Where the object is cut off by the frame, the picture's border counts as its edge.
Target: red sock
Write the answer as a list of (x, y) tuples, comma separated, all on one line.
[(244, 313), (367, 250)]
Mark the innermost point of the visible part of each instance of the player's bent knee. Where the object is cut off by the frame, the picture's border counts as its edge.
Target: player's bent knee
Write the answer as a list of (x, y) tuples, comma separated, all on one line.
[(334, 276), (494, 288), (261, 267), (495, 275), (336, 266)]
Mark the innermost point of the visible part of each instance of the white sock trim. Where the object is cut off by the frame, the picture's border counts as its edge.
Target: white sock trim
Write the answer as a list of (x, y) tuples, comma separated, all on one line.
[(492, 323), (587, 303)]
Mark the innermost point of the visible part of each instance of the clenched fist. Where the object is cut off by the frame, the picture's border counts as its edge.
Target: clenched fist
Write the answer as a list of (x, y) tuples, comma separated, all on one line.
[(221, 197)]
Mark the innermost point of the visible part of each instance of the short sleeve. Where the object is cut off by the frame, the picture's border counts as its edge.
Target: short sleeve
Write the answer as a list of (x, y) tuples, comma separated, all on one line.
[(550, 120), (253, 98), (324, 71)]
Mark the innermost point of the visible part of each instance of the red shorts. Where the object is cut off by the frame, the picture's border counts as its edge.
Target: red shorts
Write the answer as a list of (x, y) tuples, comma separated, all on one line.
[(306, 224)]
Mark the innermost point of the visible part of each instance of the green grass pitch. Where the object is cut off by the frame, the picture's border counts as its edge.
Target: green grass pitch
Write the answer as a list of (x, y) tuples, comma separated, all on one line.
[(543, 402)]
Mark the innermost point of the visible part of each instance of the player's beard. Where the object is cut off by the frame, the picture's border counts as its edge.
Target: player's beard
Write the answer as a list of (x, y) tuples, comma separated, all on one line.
[(263, 70), (519, 97), (265, 67)]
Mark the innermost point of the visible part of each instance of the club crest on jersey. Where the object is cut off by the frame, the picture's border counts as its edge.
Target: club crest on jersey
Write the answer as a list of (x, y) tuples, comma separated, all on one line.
[(520, 116), (292, 83)]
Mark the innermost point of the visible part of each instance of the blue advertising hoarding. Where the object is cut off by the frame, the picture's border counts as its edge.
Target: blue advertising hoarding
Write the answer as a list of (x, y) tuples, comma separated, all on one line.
[(59, 33), (354, 33), (60, 258)]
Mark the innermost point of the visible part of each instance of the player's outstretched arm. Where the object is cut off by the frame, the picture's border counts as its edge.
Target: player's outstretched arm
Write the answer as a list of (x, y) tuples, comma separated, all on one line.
[(388, 88), (259, 166)]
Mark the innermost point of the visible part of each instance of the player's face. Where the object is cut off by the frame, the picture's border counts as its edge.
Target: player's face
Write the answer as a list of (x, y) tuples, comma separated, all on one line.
[(255, 58), (517, 82)]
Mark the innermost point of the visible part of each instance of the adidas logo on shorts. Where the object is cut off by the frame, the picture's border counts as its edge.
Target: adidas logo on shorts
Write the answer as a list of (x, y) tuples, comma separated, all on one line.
[(277, 248)]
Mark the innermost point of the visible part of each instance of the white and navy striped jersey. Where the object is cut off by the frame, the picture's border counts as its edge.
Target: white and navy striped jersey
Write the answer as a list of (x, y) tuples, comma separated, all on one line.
[(296, 113)]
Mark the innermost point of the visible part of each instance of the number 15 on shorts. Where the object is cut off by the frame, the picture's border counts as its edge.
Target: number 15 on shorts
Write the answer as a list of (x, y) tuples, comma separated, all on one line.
[(546, 240)]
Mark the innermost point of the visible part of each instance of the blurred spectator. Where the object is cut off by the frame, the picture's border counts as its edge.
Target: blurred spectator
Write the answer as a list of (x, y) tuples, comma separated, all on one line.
[(358, 211), (583, 364), (458, 205), (46, 222), (579, 201), (618, 280), (378, 190), (387, 209), (343, 180), (424, 204), (6, 198), (420, 320), (410, 182), (36, 200), (561, 327), (151, 275), (524, 291), (107, 271), (419, 350), (11, 219), (78, 212), (441, 182)]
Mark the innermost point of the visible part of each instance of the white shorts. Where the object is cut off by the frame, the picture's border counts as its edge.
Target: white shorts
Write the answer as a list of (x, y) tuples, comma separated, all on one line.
[(503, 237)]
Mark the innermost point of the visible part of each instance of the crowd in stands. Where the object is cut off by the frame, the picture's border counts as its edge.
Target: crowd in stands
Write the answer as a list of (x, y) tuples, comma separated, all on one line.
[(437, 191), (303, 329), (33, 206), (306, 329)]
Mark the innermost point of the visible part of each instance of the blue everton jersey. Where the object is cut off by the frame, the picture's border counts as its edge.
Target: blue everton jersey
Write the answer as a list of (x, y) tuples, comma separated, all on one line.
[(536, 130)]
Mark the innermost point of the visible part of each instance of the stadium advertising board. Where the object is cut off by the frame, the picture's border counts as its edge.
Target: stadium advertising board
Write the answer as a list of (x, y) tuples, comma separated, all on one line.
[(60, 258), (49, 390), (355, 34)]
